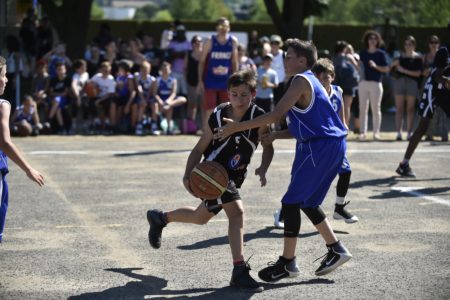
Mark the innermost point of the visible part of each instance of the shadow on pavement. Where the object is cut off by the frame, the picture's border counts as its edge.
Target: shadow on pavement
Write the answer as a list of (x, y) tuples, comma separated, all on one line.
[(154, 152), (395, 194), (151, 287), (263, 233)]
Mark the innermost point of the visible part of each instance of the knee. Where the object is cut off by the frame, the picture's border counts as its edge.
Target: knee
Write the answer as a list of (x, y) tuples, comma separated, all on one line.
[(237, 214), (315, 214)]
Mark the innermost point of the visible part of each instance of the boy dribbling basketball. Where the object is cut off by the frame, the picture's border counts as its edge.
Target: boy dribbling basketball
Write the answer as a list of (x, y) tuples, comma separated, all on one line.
[(234, 153)]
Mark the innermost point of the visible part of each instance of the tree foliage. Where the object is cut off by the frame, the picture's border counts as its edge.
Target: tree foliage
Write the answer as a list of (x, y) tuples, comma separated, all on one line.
[(401, 12), (146, 12), (205, 10)]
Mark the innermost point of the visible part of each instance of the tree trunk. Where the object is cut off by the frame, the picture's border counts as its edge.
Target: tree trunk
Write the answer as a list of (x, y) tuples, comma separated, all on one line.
[(289, 22), (71, 21)]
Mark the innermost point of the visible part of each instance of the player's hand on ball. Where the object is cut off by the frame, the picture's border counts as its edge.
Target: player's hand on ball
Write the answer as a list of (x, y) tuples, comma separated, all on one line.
[(187, 185), (262, 176)]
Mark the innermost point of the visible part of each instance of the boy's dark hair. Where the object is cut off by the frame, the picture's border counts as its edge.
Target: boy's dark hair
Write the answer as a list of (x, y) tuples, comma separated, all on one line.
[(304, 49), (78, 63), (340, 47), (59, 64), (323, 65), (125, 64), (2, 63), (247, 77)]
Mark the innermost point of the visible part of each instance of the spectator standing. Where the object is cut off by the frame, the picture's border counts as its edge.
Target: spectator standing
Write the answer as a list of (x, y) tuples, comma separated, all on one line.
[(79, 104), (267, 81), (346, 75), (194, 99), (44, 37), (218, 61), (152, 54), (278, 65), (110, 55), (408, 69), (245, 62), (372, 64), (136, 57), (178, 48)]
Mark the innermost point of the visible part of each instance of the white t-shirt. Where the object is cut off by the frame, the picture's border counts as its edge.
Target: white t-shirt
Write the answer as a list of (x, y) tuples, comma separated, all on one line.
[(80, 80), (278, 65), (105, 85)]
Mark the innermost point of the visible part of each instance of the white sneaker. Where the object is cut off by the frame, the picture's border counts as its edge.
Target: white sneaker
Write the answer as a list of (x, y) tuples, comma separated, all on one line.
[(277, 222)]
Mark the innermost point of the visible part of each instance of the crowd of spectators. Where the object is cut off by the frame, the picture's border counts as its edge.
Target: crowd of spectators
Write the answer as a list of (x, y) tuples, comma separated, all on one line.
[(137, 87)]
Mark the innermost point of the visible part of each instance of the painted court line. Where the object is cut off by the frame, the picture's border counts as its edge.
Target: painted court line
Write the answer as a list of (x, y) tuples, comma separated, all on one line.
[(287, 151), (414, 191)]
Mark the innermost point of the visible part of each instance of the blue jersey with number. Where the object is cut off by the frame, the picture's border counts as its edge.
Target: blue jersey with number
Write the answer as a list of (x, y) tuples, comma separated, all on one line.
[(336, 98), (219, 64), (164, 87), (318, 120)]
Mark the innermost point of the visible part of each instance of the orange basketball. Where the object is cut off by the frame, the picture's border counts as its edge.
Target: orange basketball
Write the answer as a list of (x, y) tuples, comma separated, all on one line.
[(209, 180), (91, 89)]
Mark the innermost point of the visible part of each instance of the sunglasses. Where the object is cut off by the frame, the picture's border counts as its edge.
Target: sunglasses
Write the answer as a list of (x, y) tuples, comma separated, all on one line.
[(433, 42), (222, 26)]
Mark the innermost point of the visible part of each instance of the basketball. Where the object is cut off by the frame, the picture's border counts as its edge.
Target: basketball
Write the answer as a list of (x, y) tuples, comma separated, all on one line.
[(91, 89), (208, 180)]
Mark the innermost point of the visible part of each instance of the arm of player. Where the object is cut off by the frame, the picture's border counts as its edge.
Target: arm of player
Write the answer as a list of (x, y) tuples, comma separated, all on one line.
[(7, 146), (269, 137), (195, 156), (267, 156), (299, 92)]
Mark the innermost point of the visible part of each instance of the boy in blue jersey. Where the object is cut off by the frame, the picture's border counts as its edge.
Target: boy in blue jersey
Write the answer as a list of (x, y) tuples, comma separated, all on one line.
[(323, 69), (234, 154), (320, 151), (166, 99), (8, 149), (219, 59)]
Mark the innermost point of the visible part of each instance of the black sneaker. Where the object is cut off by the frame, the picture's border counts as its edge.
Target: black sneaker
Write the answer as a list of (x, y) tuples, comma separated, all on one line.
[(405, 171), (242, 279), (341, 213), (280, 269), (337, 255), (156, 220)]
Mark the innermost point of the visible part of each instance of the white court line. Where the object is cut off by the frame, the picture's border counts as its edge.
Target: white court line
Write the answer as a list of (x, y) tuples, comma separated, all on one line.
[(413, 191), (287, 151)]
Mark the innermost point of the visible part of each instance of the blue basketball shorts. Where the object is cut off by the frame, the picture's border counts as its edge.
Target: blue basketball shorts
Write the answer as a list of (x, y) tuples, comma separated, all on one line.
[(315, 166), (345, 166), (3, 204)]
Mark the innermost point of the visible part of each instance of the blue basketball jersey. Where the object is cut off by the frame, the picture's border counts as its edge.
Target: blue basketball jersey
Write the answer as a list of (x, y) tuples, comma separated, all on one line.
[(219, 64), (318, 120), (164, 87), (3, 158), (146, 83), (336, 98), (122, 85)]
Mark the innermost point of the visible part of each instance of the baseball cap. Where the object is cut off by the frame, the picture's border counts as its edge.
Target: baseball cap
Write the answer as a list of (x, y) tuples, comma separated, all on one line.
[(268, 56), (276, 39)]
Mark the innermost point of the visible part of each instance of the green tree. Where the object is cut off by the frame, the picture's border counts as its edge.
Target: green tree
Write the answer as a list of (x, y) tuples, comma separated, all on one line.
[(96, 12), (146, 12), (163, 15), (207, 10), (71, 20), (289, 21)]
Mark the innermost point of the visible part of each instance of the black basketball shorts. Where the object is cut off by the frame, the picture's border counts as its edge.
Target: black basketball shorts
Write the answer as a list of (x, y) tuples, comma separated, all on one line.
[(231, 194)]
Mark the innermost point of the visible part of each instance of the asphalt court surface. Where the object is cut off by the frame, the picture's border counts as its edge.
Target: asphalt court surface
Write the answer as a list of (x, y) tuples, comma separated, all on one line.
[(84, 235)]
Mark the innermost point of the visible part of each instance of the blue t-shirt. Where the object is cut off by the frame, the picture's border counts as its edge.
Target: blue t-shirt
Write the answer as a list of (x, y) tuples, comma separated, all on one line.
[(379, 57), (272, 77)]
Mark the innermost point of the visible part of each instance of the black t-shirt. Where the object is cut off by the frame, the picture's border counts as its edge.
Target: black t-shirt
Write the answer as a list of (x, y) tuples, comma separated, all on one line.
[(236, 151), (411, 64), (58, 86), (152, 55)]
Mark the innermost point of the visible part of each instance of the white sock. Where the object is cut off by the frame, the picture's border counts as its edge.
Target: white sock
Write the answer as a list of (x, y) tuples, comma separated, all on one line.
[(340, 200)]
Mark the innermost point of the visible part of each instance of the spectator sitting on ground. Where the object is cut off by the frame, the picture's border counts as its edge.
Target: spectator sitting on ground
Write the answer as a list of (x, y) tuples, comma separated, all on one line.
[(25, 120)]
